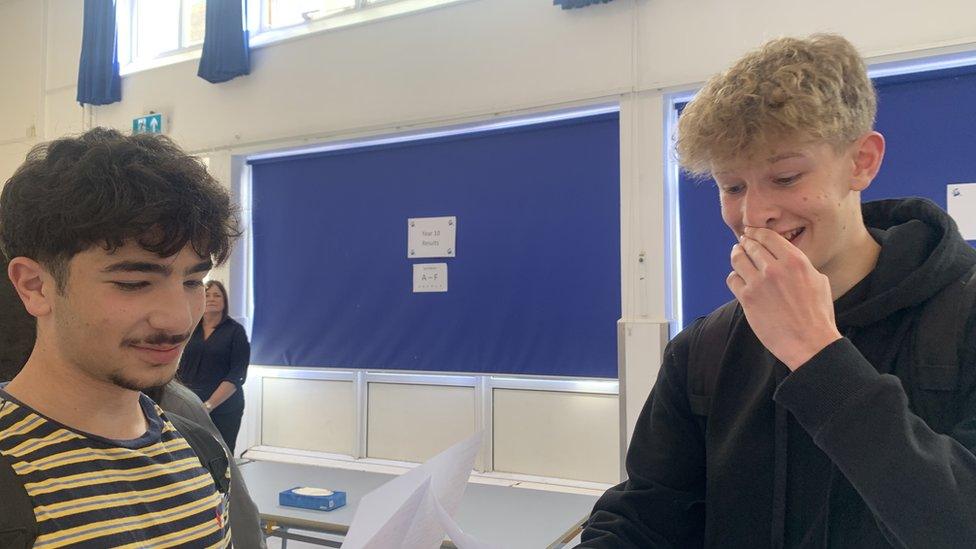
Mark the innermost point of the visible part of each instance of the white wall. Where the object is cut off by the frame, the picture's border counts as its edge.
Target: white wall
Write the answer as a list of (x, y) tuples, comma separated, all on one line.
[(465, 62), (39, 49), (21, 67), (62, 114), (468, 59)]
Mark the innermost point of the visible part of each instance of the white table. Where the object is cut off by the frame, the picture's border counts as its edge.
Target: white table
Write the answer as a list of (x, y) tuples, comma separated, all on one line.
[(503, 516)]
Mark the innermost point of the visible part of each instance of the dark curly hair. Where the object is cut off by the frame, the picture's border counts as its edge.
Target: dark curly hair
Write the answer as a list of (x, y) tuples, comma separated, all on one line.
[(104, 188)]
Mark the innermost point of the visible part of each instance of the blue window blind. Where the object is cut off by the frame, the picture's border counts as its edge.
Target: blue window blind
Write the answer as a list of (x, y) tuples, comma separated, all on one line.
[(928, 121), (535, 286)]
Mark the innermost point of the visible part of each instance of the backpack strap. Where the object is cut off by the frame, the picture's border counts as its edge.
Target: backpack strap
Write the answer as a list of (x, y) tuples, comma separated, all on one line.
[(708, 344), (208, 450), (18, 525)]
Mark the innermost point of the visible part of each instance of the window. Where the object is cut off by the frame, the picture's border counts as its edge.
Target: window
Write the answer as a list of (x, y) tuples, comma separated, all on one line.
[(194, 22), (148, 29), (276, 14), (285, 13), (155, 29), (539, 176)]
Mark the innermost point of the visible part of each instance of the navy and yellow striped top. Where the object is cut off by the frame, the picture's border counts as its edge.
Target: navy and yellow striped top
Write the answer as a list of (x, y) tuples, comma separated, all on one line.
[(90, 491)]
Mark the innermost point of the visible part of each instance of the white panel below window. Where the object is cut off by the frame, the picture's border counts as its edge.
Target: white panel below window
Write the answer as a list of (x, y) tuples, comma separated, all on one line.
[(416, 422), (309, 414), (556, 434)]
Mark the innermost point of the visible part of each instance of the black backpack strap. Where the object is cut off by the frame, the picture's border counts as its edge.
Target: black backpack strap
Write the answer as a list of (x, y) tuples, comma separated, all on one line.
[(18, 525), (940, 341), (708, 345), (210, 452)]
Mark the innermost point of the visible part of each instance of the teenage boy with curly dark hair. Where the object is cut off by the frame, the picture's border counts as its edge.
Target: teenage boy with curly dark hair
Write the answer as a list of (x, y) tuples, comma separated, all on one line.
[(109, 238)]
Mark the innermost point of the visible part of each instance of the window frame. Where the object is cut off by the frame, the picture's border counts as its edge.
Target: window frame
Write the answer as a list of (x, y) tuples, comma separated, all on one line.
[(363, 11), (263, 9)]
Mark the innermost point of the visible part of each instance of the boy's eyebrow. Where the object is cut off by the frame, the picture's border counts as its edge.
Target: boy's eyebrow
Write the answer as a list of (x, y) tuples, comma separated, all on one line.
[(201, 267), (784, 156), (771, 160), (138, 267), (154, 268)]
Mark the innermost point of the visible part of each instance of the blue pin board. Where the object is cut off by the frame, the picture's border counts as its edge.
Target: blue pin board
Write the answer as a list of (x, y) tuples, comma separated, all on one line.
[(312, 498)]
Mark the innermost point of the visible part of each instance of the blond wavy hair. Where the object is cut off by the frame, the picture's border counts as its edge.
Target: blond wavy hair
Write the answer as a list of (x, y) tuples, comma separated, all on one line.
[(813, 89)]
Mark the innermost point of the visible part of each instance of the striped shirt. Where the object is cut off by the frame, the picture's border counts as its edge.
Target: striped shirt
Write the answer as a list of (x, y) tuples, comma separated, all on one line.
[(90, 491)]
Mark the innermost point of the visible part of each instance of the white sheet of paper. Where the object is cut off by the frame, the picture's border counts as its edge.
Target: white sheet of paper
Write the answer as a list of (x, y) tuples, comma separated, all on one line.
[(460, 539), (431, 237), (392, 533), (449, 471), (402, 512), (429, 277), (961, 202), (385, 515)]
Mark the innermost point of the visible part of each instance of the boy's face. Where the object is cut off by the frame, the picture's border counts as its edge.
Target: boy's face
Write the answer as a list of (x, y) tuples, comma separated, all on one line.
[(806, 192), (125, 317)]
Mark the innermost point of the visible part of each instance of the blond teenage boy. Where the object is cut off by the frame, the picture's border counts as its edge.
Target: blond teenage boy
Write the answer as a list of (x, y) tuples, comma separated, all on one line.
[(833, 402)]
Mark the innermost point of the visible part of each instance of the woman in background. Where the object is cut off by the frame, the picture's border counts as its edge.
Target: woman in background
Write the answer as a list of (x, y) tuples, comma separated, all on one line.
[(214, 364)]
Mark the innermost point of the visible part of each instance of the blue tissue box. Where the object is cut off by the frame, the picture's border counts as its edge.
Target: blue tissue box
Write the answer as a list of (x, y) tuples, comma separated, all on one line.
[(317, 503)]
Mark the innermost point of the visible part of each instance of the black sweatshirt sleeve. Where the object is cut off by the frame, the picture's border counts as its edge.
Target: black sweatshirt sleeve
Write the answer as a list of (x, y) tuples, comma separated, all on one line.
[(662, 504), (921, 485)]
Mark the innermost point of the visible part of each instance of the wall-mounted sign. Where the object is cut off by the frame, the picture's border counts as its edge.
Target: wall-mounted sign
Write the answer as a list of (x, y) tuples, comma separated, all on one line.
[(429, 277), (961, 202), (431, 237), (151, 123)]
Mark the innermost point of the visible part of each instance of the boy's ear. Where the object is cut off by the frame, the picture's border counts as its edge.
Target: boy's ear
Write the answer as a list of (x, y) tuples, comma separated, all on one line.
[(868, 152), (34, 285)]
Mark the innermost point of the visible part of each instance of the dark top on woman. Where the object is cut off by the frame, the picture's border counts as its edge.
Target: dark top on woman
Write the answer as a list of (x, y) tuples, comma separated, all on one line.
[(223, 356)]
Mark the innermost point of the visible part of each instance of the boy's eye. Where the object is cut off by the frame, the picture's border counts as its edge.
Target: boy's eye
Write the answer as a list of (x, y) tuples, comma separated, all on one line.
[(786, 180), (130, 286), (731, 189), (193, 283)]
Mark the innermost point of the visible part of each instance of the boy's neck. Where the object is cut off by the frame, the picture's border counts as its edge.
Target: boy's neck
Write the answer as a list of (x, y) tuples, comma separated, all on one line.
[(856, 263), (70, 397)]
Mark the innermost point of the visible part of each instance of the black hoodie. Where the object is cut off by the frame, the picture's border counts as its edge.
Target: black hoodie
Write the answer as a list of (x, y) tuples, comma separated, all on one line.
[(831, 455)]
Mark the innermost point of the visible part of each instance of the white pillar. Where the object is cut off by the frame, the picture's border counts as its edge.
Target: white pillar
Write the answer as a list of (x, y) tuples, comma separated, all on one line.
[(644, 325)]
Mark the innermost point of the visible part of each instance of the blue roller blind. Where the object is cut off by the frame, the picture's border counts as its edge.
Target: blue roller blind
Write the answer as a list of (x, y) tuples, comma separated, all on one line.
[(535, 286), (929, 122)]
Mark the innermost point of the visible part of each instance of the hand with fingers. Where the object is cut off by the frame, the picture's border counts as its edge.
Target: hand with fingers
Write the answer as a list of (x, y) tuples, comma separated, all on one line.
[(785, 299)]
